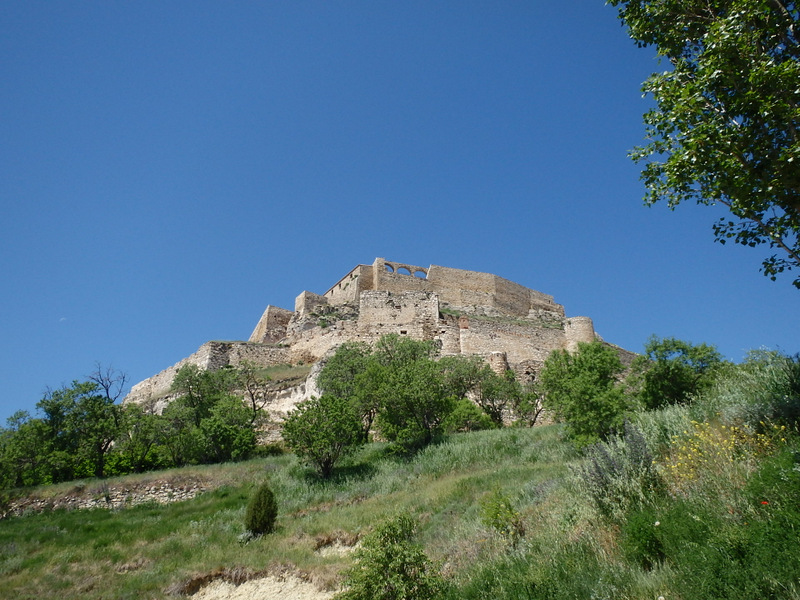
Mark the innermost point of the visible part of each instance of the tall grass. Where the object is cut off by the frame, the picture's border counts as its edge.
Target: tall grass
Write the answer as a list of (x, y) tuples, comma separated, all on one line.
[(728, 530), (146, 550), (765, 387)]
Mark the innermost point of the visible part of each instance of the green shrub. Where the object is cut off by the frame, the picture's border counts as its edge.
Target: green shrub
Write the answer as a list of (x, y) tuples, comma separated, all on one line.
[(572, 569), (672, 371), (261, 511), (390, 566), (640, 539), (498, 513), (766, 387), (323, 430), (467, 416), (266, 450), (619, 475), (583, 391)]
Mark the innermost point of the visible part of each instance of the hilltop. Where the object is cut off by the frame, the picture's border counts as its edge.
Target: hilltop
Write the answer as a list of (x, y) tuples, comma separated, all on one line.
[(464, 312)]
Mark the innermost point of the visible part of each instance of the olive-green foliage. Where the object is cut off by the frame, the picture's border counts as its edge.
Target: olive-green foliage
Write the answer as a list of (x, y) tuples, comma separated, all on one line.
[(339, 373), (415, 399), (228, 430), (199, 389), (144, 550), (582, 390), (398, 385), (765, 387), (72, 438), (619, 474), (136, 449), (254, 382), (83, 432), (463, 374), (681, 542), (322, 430), (723, 129), (726, 524), (412, 398), (262, 511), (496, 393), (352, 373), (390, 566), (208, 422), (672, 371), (467, 416), (498, 513), (717, 553)]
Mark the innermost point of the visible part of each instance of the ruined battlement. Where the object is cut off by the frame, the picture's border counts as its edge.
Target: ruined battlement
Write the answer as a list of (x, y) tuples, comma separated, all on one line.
[(456, 288), (465, 312)]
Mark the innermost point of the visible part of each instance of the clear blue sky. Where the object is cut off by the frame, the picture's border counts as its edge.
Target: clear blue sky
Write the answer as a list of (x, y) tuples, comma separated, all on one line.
[(167, 169)]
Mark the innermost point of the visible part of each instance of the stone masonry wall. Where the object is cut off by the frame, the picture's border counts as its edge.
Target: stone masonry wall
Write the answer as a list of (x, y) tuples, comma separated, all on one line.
[(484, 315), (349, 287), (211, 355), (458, 288), (415, 314), (520, 341), (271, 327), (412, 313), (307, 303), (578, 329)]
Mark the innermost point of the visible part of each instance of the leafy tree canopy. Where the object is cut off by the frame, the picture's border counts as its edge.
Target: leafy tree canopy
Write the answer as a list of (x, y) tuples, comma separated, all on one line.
[(390, 565), (582, 390), (726, 125), (672, 371), (321, 431)]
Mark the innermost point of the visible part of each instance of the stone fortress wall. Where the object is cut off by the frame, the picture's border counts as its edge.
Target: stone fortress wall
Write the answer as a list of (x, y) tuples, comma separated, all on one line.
[(457, 288), (465, 312), (211, 355)]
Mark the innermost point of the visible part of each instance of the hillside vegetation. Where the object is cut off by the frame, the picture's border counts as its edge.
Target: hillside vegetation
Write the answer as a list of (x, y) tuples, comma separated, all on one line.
[(693, 500)]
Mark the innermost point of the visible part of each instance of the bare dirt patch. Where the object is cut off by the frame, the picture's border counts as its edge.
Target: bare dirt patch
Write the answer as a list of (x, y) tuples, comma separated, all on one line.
[(270, 587)]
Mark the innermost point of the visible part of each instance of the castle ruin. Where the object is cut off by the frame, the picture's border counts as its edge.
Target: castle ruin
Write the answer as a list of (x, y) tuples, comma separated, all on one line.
[(464, 312)]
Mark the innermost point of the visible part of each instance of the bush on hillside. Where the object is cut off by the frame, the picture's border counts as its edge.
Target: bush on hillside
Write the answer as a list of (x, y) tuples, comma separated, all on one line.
[(765, 387), (467, 416), (261, 511), (499, 514), (390, 566), (582, 390), (672, 371), (619, 474), (323, 430)]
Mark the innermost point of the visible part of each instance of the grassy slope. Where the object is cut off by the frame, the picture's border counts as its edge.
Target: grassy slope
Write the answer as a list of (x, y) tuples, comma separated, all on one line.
[(568, 550), (143, 552)]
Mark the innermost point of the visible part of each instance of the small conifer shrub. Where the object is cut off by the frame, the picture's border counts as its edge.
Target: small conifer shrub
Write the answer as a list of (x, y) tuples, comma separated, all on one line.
[(261, 511)]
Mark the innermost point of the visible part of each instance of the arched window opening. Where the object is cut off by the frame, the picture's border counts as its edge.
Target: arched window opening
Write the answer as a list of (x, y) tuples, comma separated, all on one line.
[(389, 268), (403, 271), (421, 274)]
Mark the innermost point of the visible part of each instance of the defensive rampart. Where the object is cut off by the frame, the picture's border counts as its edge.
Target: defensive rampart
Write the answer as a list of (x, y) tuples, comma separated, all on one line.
[(456, 288), (465, 312), (211, 356)]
